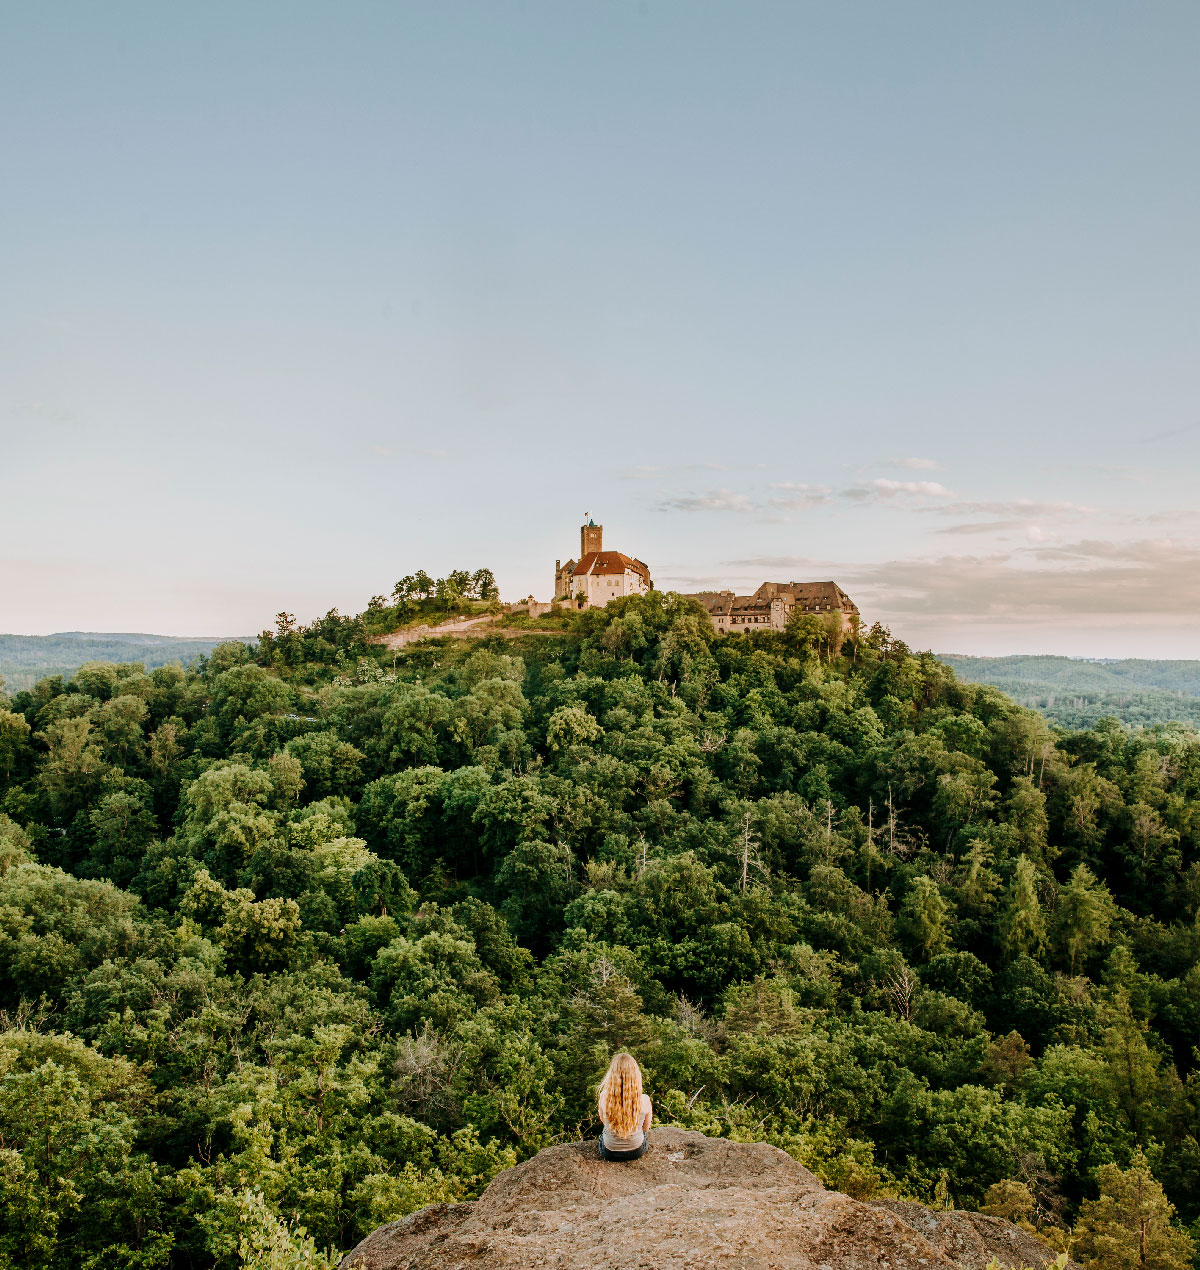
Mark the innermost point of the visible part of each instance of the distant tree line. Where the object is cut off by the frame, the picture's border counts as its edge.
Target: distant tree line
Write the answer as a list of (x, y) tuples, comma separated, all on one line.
[(1076, 694)]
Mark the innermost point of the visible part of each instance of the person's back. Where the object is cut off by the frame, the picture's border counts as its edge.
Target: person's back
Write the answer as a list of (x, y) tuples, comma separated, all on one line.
[(625, 1112)]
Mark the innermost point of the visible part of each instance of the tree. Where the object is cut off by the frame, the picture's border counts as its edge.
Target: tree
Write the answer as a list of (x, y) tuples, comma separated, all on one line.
[(1130, 1224), (535, 881), (1084, 916), (963, 798), (1025, 810), (75, 1189), (73, 768), (122, 826), (257, 935), (14, 744), (483, 585), (1022, 927), (266, 1242), (805, 632), (977, 881), (571, 725), (923, 917)]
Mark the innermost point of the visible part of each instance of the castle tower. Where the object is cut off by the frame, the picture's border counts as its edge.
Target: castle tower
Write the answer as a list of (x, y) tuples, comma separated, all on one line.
[(590, 537)]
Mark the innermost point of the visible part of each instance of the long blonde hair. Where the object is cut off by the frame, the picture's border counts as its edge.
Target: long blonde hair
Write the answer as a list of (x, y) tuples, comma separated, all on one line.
[(621, 1094)]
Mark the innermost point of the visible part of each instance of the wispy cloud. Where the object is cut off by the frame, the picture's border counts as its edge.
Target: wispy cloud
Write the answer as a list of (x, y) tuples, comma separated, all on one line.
[(667, 581), (1015, 509), (795, 494), (776, 562), (1146, 578), (799, 487), (1170, 516), (1169, 433), (649, 471), (981, 527), (917, 465), (783, 496), (720, 500), (883, 488)]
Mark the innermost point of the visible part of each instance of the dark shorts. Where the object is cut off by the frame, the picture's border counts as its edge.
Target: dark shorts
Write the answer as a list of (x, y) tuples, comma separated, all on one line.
[(622, 1157)]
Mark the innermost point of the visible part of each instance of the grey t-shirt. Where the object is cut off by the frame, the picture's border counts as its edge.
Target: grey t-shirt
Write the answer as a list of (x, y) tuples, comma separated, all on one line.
[(613, 1143)]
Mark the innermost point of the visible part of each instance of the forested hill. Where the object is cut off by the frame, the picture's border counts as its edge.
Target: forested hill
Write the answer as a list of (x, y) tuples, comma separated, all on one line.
[(310, 935), (24, 659), (1074, 693)]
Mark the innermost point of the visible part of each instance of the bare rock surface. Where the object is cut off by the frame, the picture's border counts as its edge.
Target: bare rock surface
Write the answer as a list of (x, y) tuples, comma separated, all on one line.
[(692, 1202)]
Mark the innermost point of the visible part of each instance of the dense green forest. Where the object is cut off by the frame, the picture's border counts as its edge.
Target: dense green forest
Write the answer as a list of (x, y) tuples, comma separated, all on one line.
[(24, 659), (1079, 694), (309, 935)]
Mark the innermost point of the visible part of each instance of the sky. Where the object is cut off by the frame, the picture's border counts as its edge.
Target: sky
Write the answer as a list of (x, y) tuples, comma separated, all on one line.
[(297, 298)]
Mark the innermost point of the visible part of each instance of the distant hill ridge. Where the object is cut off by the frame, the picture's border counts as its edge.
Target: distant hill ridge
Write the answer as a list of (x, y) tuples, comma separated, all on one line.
[(136, 637), (24, 659), (1077, 693)]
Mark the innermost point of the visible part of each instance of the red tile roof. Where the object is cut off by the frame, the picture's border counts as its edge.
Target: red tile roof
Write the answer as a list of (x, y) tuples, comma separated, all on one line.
[(606, 562)]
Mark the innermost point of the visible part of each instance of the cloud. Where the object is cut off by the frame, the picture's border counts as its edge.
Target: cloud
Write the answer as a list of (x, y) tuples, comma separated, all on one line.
[(1170, 432), (691, 581), (1017, 509), (917, 465), (981, 527), (1146, 579), (1126, 472), (719, 500), (650, 471), (793, 494), (777, 562), (1170, 516), (884, 488), (789, 496)]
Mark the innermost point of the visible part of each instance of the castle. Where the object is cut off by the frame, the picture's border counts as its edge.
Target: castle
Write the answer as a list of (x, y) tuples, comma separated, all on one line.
[(599, 576), (774, 602)]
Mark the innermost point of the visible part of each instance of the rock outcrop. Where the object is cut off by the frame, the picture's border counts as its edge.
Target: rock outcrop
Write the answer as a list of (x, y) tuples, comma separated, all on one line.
[(693, 1202)]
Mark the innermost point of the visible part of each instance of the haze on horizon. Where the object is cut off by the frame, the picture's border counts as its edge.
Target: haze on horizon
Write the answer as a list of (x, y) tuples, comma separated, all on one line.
[(300, 298)]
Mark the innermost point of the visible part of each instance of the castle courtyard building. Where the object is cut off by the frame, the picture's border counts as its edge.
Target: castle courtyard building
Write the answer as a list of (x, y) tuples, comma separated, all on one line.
[(773, 603)]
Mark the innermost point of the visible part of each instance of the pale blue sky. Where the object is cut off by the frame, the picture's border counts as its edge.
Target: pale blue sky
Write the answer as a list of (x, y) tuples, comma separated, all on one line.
[(297, 298)]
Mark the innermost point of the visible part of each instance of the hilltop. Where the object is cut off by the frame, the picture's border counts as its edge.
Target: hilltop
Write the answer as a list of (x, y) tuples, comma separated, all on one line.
[(692, 1203), (317, 933)]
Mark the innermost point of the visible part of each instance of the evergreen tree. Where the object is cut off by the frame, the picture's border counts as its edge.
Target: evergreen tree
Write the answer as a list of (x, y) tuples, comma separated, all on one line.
[(923, 917), (1084, 916), (1022, 926), (1129, 1227)]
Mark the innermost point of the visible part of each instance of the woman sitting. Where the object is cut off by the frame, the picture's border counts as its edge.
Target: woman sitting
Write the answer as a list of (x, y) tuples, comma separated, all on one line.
[(625, 1111)]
